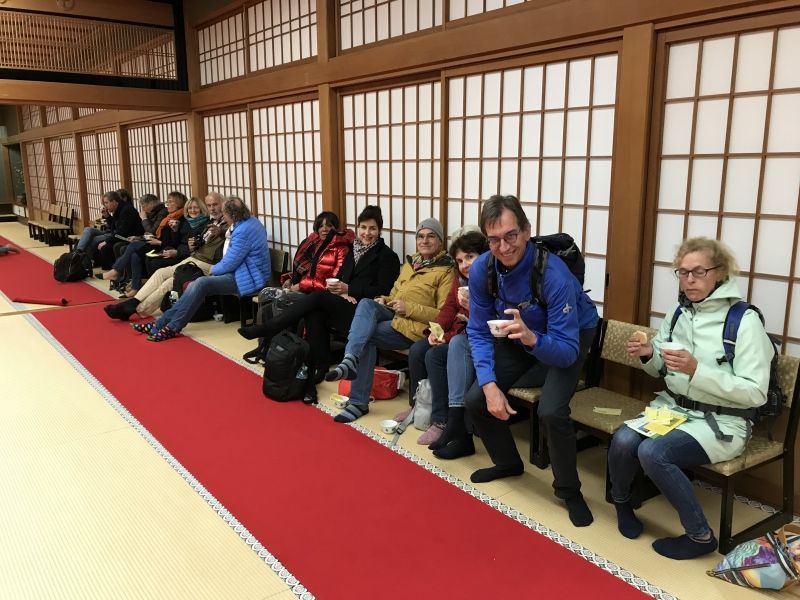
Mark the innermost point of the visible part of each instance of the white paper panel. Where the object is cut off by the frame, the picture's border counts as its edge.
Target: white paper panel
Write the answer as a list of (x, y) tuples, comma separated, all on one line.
[(580, 72), (747, 124), (471, 172), (472, 140), (510, 136), (455, 100), (491, 137), (595, 278), (706, 184), (454, 179), (669, 235), (712, 122), (672, 183), (577, 132), (773, 253), (602, 132), (605, 80), (784, 125), (531, 132), (512, 90), (548, 219), (574, 181), (532, 94), (551, 181), (555, 85), (741, 186), (738, 234), (771, 297), (787, 73), (454, 212), (700, 225), (572, 223), (473, 95), (490, 184), (715, 73), (677, 128), (508, 177), (794, 315), (454, 138), (781, 185), (753, 61), (664, 297), (529, 181), (553, 134), (599, 181), (596, 231), (491, 93), (682, 70)]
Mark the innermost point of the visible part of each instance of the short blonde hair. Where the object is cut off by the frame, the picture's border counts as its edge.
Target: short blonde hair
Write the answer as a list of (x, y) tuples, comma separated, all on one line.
[(720, 255), (200, 204)]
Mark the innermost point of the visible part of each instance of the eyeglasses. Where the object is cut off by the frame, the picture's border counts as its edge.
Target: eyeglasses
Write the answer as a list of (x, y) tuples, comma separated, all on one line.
[(510, 237), (697, 272), (427, 236)]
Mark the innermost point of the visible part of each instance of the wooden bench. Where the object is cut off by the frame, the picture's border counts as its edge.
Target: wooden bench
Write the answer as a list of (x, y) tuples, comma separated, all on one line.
[(244, 307), (761, 449), (55, 230)]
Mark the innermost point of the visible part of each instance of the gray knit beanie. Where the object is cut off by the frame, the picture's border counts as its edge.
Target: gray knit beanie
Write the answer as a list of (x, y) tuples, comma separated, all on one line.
[(433, 225)]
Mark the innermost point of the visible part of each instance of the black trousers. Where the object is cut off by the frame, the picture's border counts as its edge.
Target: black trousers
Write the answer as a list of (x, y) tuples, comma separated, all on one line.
[(516, 368)]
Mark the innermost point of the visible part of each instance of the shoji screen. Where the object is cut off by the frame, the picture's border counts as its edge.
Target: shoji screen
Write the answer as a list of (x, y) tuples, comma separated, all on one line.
[(466, 8), (172, 158), (730, 167), (227, 163), (366, 21), (287, 166), (31, 116), (391, 158), (280, 32), (108, 149), (85, 111), (142, 156), (544, 134), (55, 114), (91, 174), (37, 176), (65, 173), (221, 50)]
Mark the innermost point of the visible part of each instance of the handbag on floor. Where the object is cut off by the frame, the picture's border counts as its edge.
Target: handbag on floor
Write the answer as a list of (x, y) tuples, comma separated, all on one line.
[(386, 384), (423, 405), (770, 562)]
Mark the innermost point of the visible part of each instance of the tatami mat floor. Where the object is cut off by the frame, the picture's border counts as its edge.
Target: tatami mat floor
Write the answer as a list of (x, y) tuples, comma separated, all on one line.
[(90, 507)]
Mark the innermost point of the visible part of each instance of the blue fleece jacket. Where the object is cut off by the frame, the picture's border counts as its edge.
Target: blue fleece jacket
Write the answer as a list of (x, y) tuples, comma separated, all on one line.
[(247, 257), (569, 310)]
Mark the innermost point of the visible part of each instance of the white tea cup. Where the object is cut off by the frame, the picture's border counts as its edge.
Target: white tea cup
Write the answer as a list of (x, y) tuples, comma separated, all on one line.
[(496, 327), (672, 346), (389, 425)]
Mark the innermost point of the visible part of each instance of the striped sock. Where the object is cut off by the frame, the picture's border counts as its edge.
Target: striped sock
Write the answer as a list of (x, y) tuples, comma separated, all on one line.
[(347, 369), (351, 413)]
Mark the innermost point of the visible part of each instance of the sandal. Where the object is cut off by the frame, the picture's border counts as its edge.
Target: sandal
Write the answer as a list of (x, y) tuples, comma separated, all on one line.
[(149, 328), (163, 334)]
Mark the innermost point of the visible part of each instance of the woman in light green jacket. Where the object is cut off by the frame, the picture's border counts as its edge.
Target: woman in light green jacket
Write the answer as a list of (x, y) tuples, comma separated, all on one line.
[(718, 400)]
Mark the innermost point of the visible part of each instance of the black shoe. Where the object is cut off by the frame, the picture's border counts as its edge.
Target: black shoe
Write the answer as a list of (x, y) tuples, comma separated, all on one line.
[(311, 395)]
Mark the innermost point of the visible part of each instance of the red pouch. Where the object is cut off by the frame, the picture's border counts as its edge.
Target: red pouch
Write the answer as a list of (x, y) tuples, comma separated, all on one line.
[(385, 384)]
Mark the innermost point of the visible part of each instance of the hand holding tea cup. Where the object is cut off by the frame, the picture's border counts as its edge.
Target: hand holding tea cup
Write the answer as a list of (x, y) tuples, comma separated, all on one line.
[(676, 358), (173, 224), (463, 296), (518, 330)]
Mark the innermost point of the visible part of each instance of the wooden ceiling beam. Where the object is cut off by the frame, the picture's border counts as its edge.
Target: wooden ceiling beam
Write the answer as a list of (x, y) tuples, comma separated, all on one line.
[(135, 11)]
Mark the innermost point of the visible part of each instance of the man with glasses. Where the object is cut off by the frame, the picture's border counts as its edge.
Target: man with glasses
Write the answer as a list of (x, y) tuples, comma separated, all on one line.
[(538, 345)]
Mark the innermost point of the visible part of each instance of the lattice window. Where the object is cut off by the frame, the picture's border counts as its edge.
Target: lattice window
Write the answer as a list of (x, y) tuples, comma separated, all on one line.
[(142, 156), (56, 114), (31, 116), (544, 134), (39, 191), (367, 21), (65, 173), (227, 164), (85, 111), (729, 167), (466, 8), (172, 158), (288, 170), (222, 50), (391, 158), (101, 170), (280, 32)]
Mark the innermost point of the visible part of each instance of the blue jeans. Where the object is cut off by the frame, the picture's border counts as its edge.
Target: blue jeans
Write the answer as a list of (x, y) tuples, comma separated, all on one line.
[(371, 329), (178, 316), (90, 238), (132, 259), (662, 459)]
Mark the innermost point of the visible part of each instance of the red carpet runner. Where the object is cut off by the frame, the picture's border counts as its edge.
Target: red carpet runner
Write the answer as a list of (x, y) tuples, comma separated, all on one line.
[(25, 275), (348, 517)]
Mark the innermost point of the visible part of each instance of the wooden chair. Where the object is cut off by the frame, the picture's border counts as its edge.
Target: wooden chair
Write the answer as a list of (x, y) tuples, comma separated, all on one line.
[(54, 231)]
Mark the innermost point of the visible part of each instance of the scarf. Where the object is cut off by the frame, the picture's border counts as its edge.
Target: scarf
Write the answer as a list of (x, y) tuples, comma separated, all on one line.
[(197, 222), (177, 214), (359, 249), (418, 263)]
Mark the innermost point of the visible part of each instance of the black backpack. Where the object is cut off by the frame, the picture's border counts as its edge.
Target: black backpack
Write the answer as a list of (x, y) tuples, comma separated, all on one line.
[(72, 266), (285, 374), (730, 330), (560, 244), (184, 274)]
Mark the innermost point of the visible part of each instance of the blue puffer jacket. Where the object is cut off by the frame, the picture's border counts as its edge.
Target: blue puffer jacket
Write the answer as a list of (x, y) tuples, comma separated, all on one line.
[(247, 257), (569, 311)]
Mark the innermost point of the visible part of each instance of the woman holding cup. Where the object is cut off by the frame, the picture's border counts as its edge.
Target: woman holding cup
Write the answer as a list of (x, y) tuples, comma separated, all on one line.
[(718, 400)]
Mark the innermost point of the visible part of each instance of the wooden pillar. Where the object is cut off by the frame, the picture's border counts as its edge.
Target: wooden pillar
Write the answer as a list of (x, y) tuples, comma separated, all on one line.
[(197, 154), (80, 167), (26, 177), (251, 161), (332, 196), (123, 156), (48, 166), (327, 27), (8, 188)]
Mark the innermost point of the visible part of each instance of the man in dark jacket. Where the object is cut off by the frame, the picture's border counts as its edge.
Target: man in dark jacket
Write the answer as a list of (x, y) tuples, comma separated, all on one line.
[(546, 341), (123, 221)]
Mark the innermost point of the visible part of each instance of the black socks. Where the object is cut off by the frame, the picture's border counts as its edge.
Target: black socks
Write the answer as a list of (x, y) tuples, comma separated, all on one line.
[(579, 512), (454, 429), (684, 547), (122, 310), (347, 369), (456, 448), (627, 522), (253, 331), (496, 472)]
